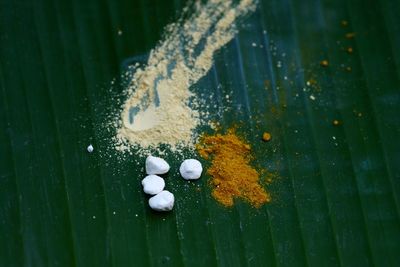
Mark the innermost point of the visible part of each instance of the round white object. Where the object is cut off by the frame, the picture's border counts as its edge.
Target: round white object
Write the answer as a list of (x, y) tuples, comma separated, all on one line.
[(191, 169), (163, 201), (153, 184), (90, 148), (156, 165)]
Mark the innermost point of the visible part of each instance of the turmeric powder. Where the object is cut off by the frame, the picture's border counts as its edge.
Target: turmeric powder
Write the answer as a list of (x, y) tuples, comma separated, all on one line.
[(266, 136), (232, 175)]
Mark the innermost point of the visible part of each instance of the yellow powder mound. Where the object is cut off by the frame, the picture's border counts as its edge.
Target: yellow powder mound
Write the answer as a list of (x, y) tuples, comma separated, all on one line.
[(160, 108), (231, 172)]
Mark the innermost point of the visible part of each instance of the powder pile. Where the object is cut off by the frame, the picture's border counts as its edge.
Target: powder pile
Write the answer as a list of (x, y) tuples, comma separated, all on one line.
[(231, 172), (159, 108)]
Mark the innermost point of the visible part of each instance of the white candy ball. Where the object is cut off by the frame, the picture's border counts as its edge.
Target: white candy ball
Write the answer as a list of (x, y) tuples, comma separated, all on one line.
[(153, 184), (163, 201), (156, 165), (191, 169)]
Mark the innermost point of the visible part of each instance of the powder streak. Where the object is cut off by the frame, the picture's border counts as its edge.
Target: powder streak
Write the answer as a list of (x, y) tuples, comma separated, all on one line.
[(157, 110)]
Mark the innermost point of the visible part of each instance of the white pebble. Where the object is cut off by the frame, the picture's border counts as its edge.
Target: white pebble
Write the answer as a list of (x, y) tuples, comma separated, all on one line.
[(153, 184), (191, 169), (156, 165), (90, 148), (163, 201)]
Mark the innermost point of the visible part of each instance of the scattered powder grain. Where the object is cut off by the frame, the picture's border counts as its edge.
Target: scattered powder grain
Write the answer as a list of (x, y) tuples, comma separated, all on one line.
[(324, 63), (349, 50), (231, 172), (266, 136), (160, 108), (350, 35), (344, 23)]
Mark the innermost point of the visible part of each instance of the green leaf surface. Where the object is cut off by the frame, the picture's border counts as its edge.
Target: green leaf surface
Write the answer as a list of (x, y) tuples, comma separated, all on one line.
[(336, 198)]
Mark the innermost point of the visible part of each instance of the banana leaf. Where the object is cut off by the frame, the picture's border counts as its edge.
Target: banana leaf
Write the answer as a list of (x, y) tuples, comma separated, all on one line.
[(335, 148)]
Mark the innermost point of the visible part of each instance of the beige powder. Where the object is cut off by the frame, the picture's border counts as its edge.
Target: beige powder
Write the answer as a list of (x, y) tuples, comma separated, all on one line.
[(157, 110)]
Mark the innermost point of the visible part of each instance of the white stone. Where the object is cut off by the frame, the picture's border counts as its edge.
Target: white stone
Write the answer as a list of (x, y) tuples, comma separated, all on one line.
[(163, 201), (90, 148), (191, 169), (156, 165), (153, 184)]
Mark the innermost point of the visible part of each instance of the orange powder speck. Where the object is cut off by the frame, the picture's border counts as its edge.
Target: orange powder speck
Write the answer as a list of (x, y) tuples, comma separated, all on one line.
[(266, 136), (231, 172), (350, 35), (350, 50)]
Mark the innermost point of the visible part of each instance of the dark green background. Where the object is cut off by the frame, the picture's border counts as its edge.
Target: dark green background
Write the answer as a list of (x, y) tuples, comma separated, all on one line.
[(336, 201)]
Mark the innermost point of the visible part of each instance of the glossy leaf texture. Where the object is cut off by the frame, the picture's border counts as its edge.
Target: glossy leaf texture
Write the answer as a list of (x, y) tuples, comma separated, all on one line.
[(336, 195)]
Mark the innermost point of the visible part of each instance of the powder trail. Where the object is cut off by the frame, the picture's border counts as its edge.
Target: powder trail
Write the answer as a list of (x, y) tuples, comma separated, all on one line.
[(157, 110)]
